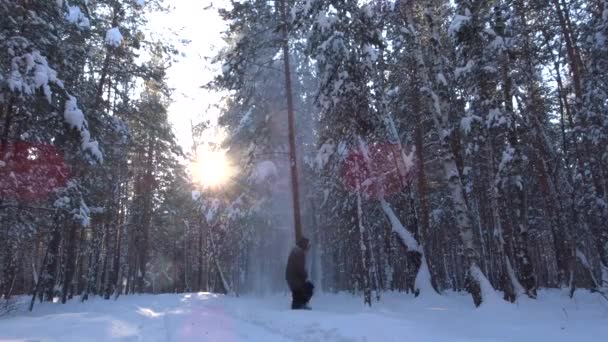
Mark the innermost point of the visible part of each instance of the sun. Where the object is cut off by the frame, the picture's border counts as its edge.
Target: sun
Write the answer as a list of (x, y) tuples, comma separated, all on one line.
[(211, 169)]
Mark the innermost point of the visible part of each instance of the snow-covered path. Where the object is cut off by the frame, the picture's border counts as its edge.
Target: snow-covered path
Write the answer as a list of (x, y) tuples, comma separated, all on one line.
[(398, 317)]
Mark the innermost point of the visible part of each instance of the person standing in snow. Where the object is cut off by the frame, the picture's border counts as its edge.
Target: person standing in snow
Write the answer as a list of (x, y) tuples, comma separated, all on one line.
[(296, 275)]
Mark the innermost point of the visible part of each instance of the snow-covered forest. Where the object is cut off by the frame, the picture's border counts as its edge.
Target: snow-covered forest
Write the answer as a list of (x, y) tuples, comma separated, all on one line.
[(439, 146)]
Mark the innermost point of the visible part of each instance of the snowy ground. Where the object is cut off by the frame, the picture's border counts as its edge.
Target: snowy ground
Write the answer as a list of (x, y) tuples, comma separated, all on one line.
[(398, 317)]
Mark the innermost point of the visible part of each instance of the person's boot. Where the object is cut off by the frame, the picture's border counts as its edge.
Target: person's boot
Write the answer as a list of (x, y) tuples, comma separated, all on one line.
[(298, 306)]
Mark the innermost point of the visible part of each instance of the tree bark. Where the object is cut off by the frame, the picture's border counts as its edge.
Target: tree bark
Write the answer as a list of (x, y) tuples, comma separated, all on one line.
[(293, 161), (70, 260)]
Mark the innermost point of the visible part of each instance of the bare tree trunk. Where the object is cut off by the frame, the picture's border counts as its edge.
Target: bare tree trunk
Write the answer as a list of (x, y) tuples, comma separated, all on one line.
[(94, 250), (114, 268), (147, 189), (70, 262), (37, 287), (200, 259), (293, 161), (50, 275)]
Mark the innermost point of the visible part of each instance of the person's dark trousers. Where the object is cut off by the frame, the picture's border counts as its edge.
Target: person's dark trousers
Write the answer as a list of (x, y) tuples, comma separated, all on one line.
[(300, 297)]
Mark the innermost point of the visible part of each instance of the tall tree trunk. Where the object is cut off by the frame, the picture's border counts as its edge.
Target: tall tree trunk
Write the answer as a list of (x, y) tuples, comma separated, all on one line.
[(115, 267), (94, 250), (200, 259), (438, 102), (293, 160), (50, 274), (516, 186), (147, 193), (365, 272), (70, 260)]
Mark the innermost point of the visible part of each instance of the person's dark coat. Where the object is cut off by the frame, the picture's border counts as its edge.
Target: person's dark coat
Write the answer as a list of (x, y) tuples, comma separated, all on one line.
[(296, 276), (295, 273)]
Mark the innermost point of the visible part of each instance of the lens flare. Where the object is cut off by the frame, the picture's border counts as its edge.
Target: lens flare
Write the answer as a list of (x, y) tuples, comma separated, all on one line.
[(211, 169)]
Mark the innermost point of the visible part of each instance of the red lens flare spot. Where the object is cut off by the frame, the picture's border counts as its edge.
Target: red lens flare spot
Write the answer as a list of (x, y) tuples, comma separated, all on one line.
[(30, 172), (384, 171)]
